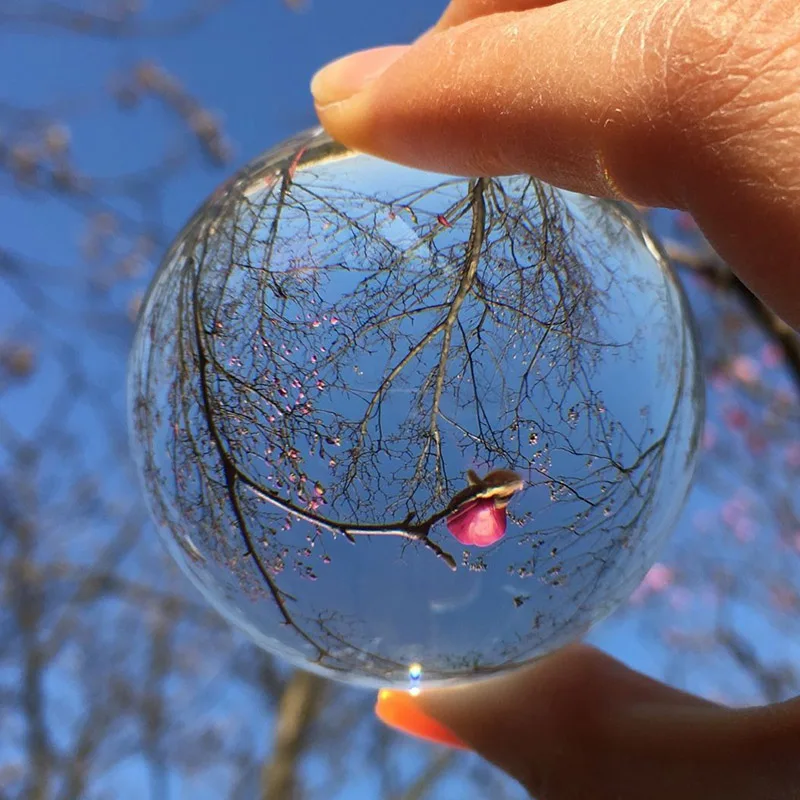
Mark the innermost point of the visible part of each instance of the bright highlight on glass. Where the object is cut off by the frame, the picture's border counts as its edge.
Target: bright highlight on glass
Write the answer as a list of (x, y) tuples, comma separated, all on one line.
[(386, 418)]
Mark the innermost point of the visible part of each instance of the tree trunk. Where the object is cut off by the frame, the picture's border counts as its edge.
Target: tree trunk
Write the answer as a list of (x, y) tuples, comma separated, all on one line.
[(299, 706)]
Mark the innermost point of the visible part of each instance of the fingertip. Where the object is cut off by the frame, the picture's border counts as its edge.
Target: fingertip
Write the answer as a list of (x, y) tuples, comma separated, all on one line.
[(472, 101), (344, 78), (401, 711)]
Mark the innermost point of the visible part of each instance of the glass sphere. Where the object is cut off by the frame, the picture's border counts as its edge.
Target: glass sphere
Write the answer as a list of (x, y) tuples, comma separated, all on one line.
[(403, 427)]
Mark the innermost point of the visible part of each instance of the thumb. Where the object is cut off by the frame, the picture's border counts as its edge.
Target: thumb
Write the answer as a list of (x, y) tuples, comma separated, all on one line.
[(579, 724), (667, 103)]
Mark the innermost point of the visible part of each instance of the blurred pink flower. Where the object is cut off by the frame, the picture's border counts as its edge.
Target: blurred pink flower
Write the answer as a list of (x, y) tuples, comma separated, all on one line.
[(745, 369), (479, 522), (659, 578), (734, 510)]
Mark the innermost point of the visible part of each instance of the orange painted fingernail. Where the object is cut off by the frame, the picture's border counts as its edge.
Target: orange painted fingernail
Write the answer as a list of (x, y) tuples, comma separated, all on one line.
[(400, 711)]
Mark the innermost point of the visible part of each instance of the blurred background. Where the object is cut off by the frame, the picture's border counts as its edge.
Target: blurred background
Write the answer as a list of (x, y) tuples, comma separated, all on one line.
[(117, 118)]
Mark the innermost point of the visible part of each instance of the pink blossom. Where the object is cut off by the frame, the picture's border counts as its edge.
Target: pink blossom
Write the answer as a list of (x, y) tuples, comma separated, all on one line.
[(479, 522), (659, 578), (733, 510), (745, 369)]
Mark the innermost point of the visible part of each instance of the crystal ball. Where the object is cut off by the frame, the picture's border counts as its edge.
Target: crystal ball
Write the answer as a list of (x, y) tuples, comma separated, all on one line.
[(404, 428)]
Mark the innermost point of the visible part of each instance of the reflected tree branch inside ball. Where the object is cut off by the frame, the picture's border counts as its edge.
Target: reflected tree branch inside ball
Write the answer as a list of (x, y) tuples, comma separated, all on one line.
[(339, 350)]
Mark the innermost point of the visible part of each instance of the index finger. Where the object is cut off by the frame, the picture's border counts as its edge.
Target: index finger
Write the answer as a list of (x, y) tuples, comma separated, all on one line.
[(666, 103), (460, 11)]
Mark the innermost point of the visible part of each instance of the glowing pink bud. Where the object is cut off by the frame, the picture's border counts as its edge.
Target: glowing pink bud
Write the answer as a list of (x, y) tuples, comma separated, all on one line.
[(745, 369), (479, 522)]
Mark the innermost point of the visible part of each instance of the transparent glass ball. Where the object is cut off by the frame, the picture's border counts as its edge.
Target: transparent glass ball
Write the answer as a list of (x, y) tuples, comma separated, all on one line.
[(404, 427)]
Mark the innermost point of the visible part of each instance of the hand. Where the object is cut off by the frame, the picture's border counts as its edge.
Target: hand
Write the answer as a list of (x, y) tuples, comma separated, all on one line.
[(690, 104), (579, 725)]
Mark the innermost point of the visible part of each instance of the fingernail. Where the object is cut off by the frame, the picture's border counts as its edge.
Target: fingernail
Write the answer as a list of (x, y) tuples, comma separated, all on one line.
[(341, 79), (399, 710)]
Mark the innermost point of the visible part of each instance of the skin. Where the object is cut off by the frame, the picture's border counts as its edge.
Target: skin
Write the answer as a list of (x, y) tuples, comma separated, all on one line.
[(689, 104)]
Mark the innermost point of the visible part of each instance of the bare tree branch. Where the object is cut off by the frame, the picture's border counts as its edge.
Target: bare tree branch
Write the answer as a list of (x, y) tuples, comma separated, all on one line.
[(715, 270), (774, 682)]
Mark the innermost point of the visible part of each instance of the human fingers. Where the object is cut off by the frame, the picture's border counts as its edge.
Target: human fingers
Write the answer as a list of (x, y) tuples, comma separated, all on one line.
[(460, 11), (579, 724), (677, 103)]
